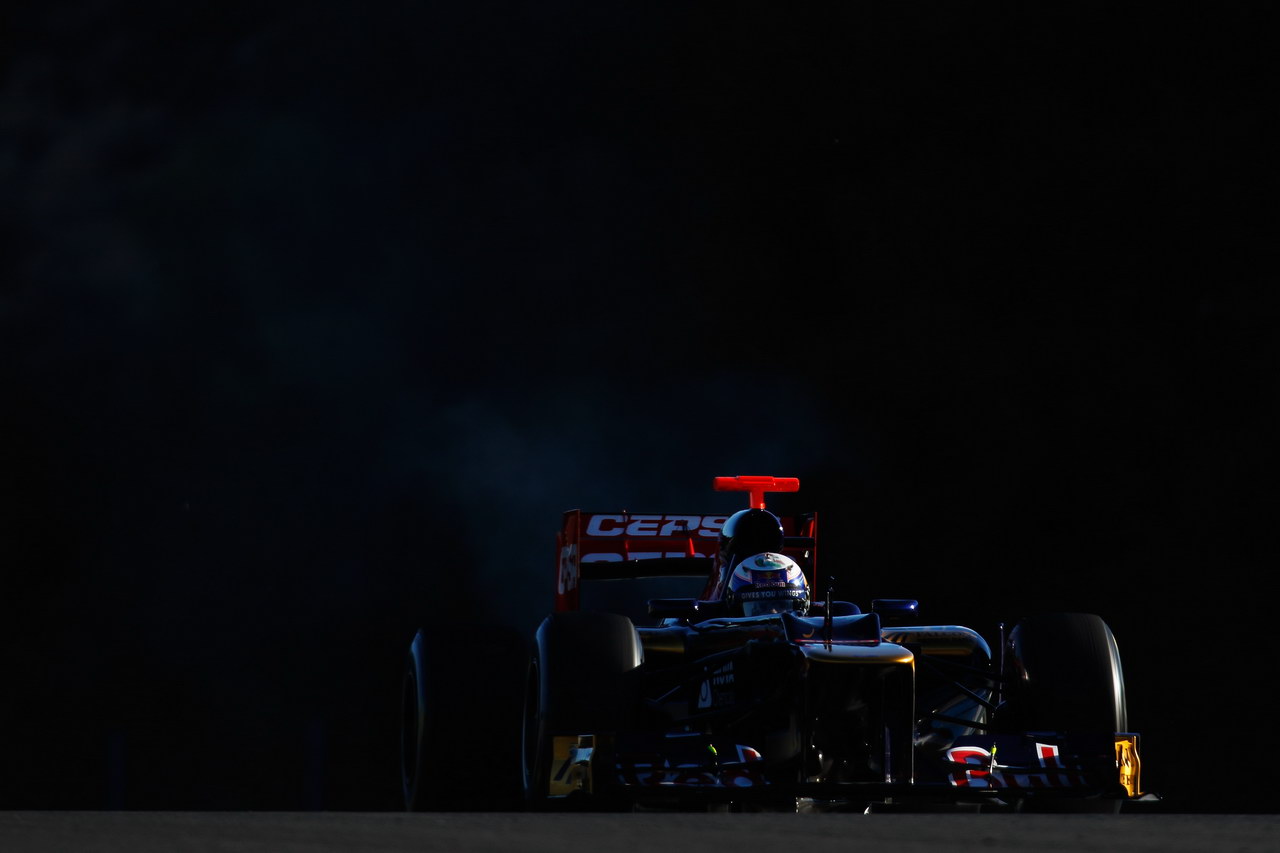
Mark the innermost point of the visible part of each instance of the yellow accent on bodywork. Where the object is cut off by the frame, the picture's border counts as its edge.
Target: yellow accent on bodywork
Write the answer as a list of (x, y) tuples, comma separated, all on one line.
[(939, 640), (1129, 764), (570, 765)]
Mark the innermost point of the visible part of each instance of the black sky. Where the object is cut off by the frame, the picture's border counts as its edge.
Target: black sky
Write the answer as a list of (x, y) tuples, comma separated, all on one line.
[(313, 318)]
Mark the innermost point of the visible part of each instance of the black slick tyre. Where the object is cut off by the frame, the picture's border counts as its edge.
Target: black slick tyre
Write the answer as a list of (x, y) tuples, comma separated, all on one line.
[(1069, 679), (460, 714), (581, 679), (1070, 676)]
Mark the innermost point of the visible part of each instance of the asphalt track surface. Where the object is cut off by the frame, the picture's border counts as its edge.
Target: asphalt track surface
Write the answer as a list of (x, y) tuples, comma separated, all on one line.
[(141, 832)]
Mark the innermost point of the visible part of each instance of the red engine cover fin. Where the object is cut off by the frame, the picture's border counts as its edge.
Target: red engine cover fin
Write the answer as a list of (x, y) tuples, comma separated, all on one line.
[(757, 485)]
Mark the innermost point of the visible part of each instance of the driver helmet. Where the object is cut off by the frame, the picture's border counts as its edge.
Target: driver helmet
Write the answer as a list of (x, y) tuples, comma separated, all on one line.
[(747, 532), (767, 583)]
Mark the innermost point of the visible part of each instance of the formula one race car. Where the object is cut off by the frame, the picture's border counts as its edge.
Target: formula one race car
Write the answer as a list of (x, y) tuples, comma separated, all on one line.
[(693, 661)]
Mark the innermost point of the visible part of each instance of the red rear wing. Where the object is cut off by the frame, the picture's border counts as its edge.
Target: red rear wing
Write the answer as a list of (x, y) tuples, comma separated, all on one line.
[(620, 545)]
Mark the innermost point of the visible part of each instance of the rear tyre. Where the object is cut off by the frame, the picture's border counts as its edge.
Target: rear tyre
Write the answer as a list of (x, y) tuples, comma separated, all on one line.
[(1069, 680), (461, 698), (582, 678)]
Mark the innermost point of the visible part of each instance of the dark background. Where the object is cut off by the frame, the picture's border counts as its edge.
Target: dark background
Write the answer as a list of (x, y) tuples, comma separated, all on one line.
[(314, 316)]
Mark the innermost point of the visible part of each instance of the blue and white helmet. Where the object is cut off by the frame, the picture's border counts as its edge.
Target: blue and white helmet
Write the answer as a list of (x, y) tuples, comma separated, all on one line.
[(767, 583)]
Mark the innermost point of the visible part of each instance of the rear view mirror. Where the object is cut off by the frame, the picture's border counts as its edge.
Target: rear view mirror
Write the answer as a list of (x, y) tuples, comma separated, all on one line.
[(896, 610)]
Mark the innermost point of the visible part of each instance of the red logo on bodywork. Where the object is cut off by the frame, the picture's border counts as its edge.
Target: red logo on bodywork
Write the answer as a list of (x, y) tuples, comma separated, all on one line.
[(981, 770)]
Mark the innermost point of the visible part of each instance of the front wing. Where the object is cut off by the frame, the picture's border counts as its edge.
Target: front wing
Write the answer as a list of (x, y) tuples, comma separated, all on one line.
[(997, 770)]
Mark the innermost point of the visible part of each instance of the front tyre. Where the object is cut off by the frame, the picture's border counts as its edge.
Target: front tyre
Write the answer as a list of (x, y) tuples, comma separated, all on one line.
[(1068, 679), (461, 698), (1069, 674), (582, 679)]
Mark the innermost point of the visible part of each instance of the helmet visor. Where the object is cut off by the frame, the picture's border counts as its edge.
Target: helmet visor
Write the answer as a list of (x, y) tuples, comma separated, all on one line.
[(764, 606)]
